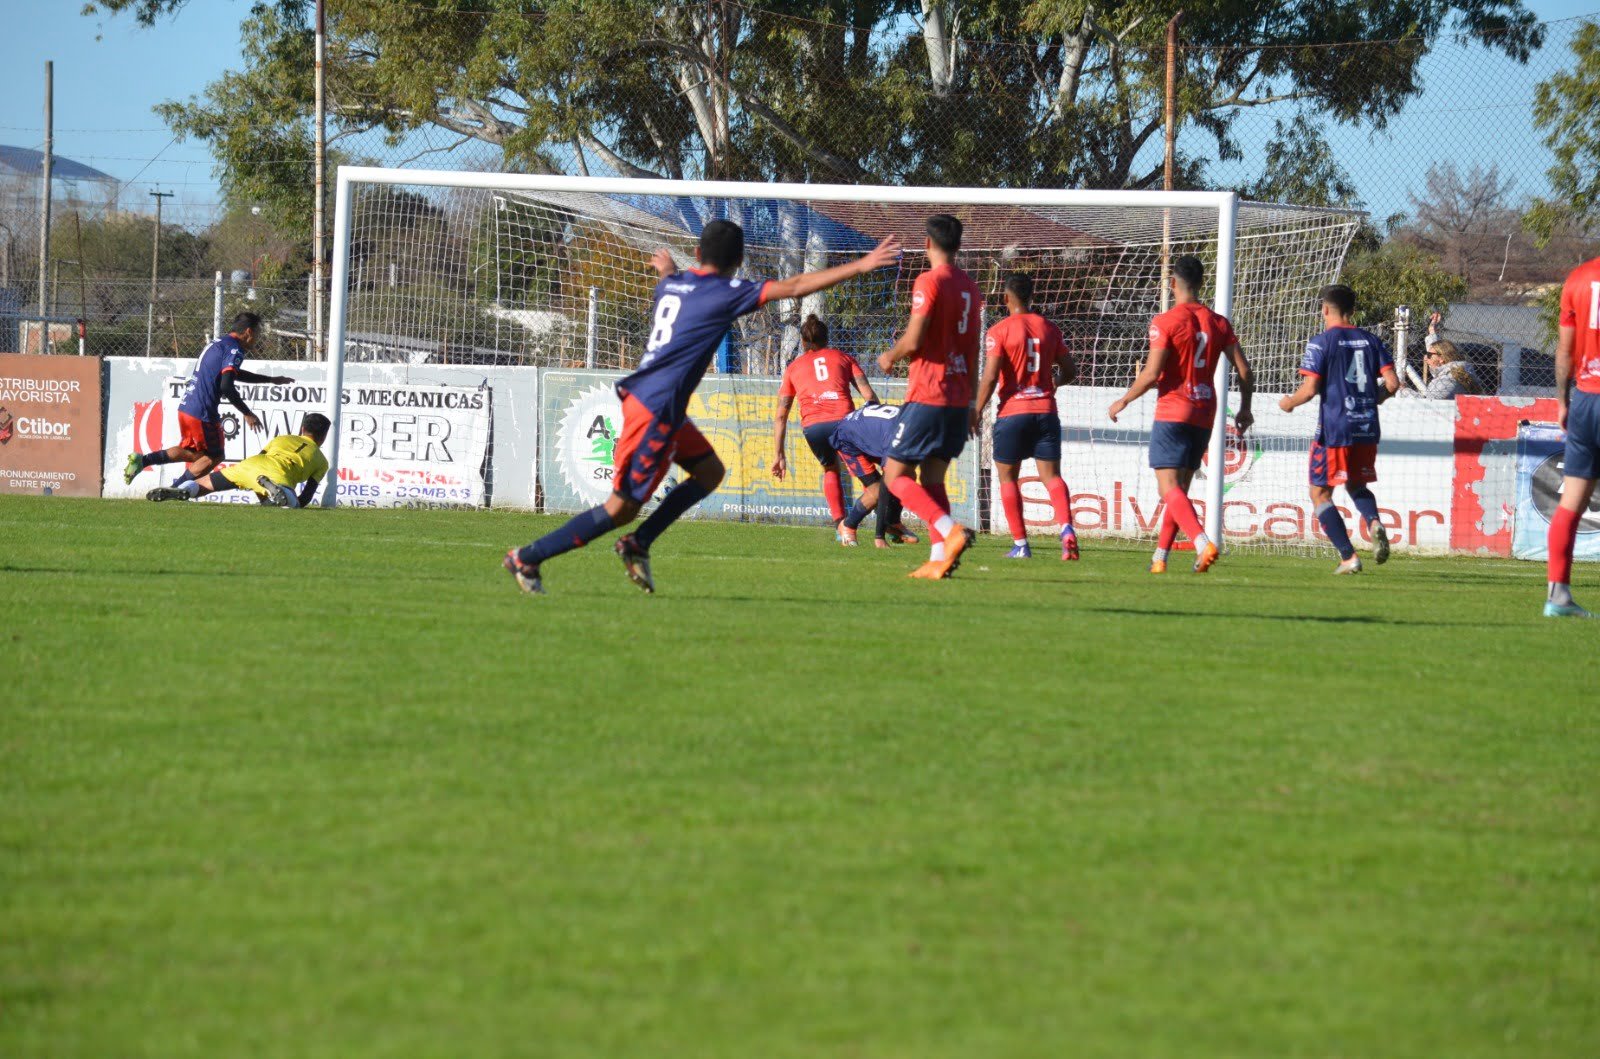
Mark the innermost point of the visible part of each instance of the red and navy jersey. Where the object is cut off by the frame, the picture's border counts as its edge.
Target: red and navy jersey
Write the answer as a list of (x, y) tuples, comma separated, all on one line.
[(1349, 363), (822, 379), (693, 312), (868, 431), (1196, 337), (1580, 310), (1029, 347), (205, 385), (943, 365)]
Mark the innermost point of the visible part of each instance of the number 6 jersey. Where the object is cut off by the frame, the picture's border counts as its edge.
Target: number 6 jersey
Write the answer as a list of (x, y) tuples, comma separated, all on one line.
[(1349, 362), (822, 379), (692, 314)]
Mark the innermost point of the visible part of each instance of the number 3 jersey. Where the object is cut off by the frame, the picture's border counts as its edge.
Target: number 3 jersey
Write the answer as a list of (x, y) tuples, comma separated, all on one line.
[(693, 312), (1349, 362), (942, 367), (1195, 337)]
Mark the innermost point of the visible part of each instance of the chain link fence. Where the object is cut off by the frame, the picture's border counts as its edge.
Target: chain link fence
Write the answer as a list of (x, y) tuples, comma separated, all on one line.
[(1436, 141)]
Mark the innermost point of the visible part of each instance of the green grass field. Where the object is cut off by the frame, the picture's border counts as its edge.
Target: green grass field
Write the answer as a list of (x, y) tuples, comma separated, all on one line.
[(326, 784)]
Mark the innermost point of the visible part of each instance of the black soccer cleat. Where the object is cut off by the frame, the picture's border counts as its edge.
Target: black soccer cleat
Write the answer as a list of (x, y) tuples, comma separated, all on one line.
[(636, 561), (164, 492)]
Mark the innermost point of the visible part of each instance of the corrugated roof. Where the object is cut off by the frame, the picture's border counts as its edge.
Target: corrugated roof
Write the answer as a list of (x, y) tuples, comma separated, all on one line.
[(25, 161)]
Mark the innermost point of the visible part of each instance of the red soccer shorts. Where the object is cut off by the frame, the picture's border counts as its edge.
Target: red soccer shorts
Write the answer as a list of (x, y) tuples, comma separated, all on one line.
[(860, 467), (649, 446), (197, 435), (1343, 465)]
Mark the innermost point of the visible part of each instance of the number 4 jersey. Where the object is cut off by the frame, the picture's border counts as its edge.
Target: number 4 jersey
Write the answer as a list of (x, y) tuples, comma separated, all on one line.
[(693, 312), (1349, 361), (1194, 337)]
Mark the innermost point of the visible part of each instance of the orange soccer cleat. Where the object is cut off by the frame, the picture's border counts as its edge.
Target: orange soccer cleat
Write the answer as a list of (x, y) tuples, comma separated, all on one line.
[(1206, 558)]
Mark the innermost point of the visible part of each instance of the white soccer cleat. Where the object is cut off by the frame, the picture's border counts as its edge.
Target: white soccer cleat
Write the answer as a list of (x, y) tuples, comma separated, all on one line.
[(1380, 542), (277, 495), (1351, 565), (1565, 610)]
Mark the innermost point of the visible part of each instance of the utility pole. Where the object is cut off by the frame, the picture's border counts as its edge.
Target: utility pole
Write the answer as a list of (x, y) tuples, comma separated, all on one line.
[(155, 264), (1171, 150), (44, 192), (319, 346)]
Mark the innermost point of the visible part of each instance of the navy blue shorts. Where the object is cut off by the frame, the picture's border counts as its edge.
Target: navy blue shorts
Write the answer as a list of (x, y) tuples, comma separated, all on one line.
[(1178, 445), (859, 464), (1582, 458), (929, 430), (1030, 434), (820, 437)]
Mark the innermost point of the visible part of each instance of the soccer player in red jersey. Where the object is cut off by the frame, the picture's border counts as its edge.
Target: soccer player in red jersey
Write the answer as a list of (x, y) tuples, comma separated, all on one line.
[(1026, 359), (1184, 344), (1578, 363), (693, 312), (821, 377), (1353, 373), (941, 342)]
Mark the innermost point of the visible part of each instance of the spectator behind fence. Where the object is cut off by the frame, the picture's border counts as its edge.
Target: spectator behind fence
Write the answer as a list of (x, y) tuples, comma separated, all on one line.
[(1449, 374)]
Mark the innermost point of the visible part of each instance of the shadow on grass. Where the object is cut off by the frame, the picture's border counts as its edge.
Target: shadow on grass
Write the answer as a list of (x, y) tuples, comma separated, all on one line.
[(1321, 619)]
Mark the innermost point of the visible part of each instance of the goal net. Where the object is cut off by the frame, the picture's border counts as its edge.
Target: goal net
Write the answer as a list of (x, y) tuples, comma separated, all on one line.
[(553, 272)]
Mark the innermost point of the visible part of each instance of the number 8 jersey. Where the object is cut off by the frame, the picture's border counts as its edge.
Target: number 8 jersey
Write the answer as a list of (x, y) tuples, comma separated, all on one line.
[(693, 312), (1349, 361)]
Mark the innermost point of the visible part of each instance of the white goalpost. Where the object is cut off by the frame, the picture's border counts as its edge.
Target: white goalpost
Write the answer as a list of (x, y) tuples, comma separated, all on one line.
[(552, 271)]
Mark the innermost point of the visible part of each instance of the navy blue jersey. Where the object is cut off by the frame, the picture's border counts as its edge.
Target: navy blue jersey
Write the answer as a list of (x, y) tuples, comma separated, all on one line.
[(205, 385), (1348, 361), (693, 312), (868, 430)]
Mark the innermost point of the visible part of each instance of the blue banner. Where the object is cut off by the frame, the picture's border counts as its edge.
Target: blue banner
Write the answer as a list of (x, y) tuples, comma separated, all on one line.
[(1539, 473)]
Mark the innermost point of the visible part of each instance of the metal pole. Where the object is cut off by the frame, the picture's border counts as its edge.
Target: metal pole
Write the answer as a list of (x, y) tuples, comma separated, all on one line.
[(336, 320), (1171, 150), (1402, 337), (155, 265), (83, 287), (1217, 450), (45, 190), (319, 250), (216, 309), (593, 346)]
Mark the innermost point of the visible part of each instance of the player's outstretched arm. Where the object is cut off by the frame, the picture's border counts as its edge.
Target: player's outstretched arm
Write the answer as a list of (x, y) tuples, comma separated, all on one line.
[(864, 388), (780, 430), (883, 255), (1307, 390), (1244, 418), (1568, 336), (225, 388), (250, 376), (663, 263), (908, 343), (1144, 382)]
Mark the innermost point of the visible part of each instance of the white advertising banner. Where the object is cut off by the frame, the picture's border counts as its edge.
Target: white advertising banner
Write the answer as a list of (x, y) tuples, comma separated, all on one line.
[(401, 444), (1114, 493)]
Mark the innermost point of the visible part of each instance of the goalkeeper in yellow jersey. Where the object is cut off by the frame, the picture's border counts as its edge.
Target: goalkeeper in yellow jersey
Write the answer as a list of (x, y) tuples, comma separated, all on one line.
[(289, 460)]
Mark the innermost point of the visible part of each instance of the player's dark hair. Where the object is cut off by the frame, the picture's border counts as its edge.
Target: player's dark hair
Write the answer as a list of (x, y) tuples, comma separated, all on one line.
[(814, 333), (722, 245), (316, 425), (1340, 297), (245, 321), (1190, 272), (1020, 284), (945, 231)]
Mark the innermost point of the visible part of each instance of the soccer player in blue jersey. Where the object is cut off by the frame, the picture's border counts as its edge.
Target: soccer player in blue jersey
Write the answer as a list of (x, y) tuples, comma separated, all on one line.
[(200, 438), (1352, 371), (863, 439), (693, 311)]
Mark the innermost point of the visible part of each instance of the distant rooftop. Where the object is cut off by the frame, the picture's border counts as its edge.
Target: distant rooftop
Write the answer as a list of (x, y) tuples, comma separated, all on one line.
[(25, 161)]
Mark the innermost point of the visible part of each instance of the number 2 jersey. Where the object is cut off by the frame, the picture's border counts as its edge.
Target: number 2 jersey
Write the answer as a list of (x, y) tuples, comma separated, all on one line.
[(1196, 337), (1349, 363), (1580, 310), (822, 379), (692, 314), (942, 367)]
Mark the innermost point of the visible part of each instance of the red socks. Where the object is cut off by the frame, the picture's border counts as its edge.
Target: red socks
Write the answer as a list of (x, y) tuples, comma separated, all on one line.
[(1061, 501), (1169, 530), (1563, 533), (910, 492), (835, 494), (1180, 510), (1011, 502)]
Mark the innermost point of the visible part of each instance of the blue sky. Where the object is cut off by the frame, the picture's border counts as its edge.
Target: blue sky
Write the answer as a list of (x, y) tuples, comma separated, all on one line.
[(109, 73)]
